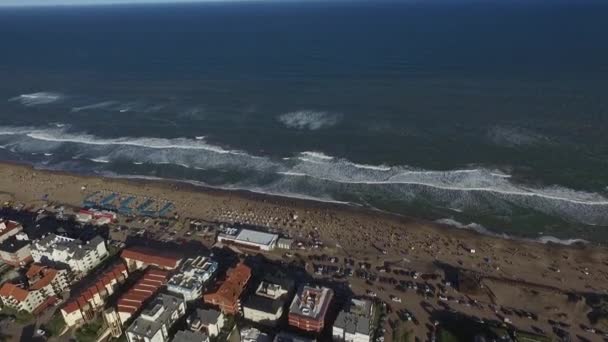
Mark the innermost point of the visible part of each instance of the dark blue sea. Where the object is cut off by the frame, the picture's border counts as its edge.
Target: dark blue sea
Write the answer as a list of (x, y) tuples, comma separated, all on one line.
[(484, 115)]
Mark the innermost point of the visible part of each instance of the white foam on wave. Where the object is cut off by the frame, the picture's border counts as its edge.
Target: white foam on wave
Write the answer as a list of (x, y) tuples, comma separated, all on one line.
[(97, 105), (100, 160), (309, 119), (36, 99), (553, 239), (514, 136), (152, 143), (485, 231), (316, 174)]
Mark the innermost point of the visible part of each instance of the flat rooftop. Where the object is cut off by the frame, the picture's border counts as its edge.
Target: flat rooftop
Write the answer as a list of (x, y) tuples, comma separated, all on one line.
[(311, 302), (251, 236)]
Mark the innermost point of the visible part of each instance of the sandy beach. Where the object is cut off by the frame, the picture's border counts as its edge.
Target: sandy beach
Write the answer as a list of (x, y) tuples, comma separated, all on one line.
[(349, 230)]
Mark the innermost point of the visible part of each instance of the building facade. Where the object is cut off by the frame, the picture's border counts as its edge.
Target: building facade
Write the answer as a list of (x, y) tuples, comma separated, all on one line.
[(79, 256), (354, 323), (227, 293), (266, 305), (192, 278), (138, 258), (206, 320), (157, 318), (9, 228), (83, 305), (15, 252), (248, 239), (43, 287), (309, 307)]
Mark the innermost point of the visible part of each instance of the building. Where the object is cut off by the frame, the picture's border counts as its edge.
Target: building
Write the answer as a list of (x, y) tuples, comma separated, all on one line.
[(42, 287), (157, 318), (146, 287), (15, 252), (83, 305), (97, 217), (309, 308), (9, 228), (289, 337), (79, 256), (354, 323), (266, 305), (138, 258), (284, 243), (209, 321), (227, 293), (254, 335), (190, 336), (192, 278), (248, 239)]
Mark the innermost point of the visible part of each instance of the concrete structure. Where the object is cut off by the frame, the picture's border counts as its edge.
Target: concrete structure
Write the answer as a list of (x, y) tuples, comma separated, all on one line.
[(209, 321), (248, 239), (192, 278), (284, 243), (83, 305), (227, 293), (43, 287), (309, 308), (96, 217), (15, 252), (79, 256), (354, 323), (138, 258), (266, 305), (9, 228), (254, 335), (190, 336), (156, 319)]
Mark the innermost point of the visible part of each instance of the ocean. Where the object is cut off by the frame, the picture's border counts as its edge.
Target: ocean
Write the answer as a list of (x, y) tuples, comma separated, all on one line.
[(489, 116)]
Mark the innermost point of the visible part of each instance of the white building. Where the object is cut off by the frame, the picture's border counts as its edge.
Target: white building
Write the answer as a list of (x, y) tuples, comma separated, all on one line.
[(79, 256), (266, 305), (250, 239), (157, 318), (8, 229), (192, 278), (15, 252), (43, 288), (353, 324), (254, 335), (210, 321)]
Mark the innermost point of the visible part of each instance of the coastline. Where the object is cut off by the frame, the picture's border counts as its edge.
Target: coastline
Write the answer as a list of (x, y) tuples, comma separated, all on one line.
[(343, 231), (290, 202)]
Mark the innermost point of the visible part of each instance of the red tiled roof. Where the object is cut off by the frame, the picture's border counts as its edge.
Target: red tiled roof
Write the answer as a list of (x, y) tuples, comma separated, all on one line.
[(146, 287), (12, 290), (84, 296), (9, 226), (71, 307), (151, 257), (232, 287)]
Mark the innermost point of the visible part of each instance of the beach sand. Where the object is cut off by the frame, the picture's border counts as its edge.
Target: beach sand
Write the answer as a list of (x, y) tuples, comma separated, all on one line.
[(345, 230)]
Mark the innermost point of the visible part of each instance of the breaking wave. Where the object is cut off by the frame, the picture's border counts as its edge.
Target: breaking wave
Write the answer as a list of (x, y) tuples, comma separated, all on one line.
[(476, 227), (312, 174), (308, 119), (514, 136), (36, 99)]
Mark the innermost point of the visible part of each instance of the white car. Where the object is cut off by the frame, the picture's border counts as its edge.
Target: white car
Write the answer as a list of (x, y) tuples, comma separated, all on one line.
[(396, 299)]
